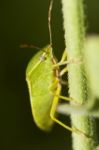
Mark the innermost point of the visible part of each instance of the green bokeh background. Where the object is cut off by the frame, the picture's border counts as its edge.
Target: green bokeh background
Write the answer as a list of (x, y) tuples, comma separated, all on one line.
[(23, 21)]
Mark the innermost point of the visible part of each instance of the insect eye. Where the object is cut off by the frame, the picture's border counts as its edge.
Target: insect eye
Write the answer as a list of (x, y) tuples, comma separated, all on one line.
[(43, 57)]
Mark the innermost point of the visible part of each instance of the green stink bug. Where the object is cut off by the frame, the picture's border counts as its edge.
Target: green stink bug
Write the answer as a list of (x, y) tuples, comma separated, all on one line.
[(43, 77), (39, 76), (43, 81)]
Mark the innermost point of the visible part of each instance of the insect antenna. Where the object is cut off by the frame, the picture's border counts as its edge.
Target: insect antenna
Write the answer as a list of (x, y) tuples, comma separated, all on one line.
[(29, 46), (49, 20)]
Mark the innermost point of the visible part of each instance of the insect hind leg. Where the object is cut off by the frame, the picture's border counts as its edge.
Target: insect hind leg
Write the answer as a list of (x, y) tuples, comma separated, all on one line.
[(71, 129), (53, 117), (53, 111)]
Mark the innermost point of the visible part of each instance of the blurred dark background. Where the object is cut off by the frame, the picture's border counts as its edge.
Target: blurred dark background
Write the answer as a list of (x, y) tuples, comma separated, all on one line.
[(23, 21)]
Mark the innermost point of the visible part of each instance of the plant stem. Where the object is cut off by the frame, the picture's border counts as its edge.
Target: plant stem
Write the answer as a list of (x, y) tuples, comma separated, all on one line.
[(74, 37)]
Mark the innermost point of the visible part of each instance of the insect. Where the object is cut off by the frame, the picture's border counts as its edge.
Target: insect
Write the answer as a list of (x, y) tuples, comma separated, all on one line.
[(43, 77)]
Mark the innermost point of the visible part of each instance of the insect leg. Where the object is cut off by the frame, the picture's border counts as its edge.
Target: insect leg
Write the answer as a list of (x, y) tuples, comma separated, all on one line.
[(69, 99), (64, 56), (53, 111), (63, 61), (63, 71)]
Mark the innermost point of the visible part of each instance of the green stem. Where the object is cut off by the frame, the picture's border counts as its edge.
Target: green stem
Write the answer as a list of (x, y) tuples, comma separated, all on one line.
[(74, 37)]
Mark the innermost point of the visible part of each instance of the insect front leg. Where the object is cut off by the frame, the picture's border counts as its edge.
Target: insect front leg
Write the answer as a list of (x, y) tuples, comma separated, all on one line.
[(64, 56), (64, 60)]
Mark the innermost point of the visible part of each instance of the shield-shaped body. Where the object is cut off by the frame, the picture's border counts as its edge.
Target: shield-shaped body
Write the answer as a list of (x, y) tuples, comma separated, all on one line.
[(40, 77)]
